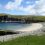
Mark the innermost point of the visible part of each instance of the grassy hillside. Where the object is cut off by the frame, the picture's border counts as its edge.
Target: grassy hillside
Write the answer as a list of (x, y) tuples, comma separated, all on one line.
[(26, 18), (26, 40)]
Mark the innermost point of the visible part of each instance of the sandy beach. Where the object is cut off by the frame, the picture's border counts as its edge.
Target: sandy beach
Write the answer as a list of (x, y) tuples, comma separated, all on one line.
[(30, 29), (33, 27)]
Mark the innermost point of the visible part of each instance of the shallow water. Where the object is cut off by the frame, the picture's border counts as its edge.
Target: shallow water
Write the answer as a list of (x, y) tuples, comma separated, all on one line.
[(12, 26)]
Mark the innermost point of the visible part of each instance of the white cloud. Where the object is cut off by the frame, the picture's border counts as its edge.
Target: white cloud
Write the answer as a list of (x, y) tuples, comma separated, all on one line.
[(13, 5), (10, 5), (36, 2), (18, 2), (29, 9), (38, 8)]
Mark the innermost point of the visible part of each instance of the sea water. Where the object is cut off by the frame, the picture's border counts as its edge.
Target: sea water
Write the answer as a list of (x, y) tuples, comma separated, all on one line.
[(12, 26)]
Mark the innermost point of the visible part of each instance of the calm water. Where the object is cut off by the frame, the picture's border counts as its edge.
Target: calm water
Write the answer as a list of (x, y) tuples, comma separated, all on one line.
[(12, 26)]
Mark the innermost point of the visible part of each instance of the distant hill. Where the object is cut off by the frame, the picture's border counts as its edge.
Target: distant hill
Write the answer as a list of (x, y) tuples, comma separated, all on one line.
[(23, 18)]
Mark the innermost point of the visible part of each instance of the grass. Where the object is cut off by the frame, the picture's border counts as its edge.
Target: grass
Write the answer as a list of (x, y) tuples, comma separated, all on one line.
[(26, 40)]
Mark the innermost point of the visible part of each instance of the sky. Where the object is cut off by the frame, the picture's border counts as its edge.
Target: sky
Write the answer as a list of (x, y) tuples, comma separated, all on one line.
[(23, 7)]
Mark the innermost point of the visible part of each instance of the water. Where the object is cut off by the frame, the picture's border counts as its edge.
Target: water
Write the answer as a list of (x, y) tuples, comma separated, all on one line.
[(12, 26)]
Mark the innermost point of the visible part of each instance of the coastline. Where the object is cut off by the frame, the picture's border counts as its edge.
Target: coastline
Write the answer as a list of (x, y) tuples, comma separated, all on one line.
[(33, 27), (30, 30)]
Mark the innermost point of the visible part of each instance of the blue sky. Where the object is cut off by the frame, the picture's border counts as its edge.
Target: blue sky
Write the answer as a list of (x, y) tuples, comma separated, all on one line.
[(23, 7)]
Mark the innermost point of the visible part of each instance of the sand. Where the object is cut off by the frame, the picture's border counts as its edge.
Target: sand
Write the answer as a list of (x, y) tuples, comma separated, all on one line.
[(33, 27)]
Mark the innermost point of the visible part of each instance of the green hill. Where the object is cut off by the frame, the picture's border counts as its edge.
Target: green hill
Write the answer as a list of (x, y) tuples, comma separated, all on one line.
[(26, 40), (26, 18)]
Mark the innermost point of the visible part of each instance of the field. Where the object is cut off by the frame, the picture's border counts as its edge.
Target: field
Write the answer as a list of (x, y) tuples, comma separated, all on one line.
[(26, 40)]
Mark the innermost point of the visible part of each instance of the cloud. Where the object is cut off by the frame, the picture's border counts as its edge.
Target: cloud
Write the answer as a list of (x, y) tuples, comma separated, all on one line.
[(38, 8), (13, 5), (16, 6), (28, 10), (10, 6)]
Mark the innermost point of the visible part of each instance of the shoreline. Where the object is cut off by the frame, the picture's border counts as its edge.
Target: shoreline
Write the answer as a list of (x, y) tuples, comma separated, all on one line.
[(30, 30), (33, 27)]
